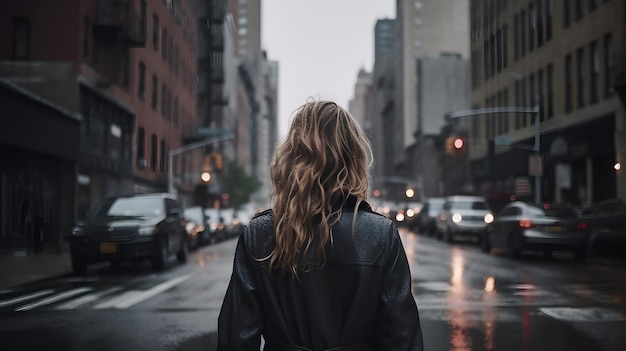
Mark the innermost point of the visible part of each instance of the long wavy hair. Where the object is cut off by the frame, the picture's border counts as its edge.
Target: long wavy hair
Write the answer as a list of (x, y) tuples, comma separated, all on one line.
[(323, 160)]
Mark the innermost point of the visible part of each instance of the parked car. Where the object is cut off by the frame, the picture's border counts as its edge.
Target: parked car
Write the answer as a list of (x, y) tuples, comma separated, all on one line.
[(463, 215), (215, 224), (520, 226), (429, 214), (607, 226), (133, 227), (195, 224)]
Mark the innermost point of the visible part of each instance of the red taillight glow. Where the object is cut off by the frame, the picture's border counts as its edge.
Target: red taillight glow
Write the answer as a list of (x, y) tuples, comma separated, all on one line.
[(581, 225), (525, 223)]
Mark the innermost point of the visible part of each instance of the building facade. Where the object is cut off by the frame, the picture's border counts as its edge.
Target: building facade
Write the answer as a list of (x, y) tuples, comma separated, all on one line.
[(568, 59), (128, 69)]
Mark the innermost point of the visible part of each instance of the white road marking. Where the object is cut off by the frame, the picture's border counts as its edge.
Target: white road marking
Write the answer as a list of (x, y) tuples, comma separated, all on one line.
[(87, 299), (586, 314), (53, 299), (25, 297), (134, 297)]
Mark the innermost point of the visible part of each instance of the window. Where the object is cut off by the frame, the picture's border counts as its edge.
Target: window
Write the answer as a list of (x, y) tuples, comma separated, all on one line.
[(163, 158), (567, 12), (593, 5), (163, 100), (164, 43), (532, 27), (141, 89), (515, 37), (524, 87), (21, 38), (540, 93), (518, 102), (549, 10), (506, 115), (523, 33), (155, 92), (155, 32), (531, 94), (153, 152), (86, 32), (608, 64), (568, 83), (143, 19), (550, 88), (580, 12), (505, 47), (499, 50), (594, 72), (126, 71), (141, 148), (580, 77), (175, 111), (540, 33)]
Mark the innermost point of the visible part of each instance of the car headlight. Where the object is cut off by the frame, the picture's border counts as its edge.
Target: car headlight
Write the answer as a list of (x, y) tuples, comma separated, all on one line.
[(456, 218), (488, 218), (78, 231), (147, 230)]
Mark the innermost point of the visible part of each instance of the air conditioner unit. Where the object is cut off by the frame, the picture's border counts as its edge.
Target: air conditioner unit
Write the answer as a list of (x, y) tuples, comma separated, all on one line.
[(142, 163)]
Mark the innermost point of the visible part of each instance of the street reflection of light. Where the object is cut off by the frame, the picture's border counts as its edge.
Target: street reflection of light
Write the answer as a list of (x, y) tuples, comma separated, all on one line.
[(490, 284), (457, 265), (489, 318), (460, 339)]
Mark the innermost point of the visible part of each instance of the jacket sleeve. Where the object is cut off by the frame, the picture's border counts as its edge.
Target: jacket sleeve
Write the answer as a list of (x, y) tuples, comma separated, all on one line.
[(240, 319), (398, 324)]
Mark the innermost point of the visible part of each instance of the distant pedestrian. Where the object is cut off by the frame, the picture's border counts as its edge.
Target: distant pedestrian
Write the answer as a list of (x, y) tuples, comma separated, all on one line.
[(320, 270)]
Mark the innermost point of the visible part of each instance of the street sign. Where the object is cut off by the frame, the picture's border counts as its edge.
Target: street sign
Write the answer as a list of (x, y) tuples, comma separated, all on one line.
[(535, 167), (502, 140), (211, 132)]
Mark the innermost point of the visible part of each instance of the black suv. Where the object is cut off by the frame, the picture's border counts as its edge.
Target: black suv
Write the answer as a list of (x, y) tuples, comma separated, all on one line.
[(130, 227), (607, 223)]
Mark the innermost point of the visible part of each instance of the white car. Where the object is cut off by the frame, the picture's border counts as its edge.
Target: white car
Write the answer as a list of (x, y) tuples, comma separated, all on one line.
[(463, 215)]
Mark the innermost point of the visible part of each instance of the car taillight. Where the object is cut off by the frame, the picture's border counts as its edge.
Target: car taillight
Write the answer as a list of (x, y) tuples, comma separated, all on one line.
[(581, 225), (525, 223)]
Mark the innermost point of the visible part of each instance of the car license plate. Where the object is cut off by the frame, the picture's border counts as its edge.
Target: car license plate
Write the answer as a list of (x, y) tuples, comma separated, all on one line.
[(108, 248), (555, 229)]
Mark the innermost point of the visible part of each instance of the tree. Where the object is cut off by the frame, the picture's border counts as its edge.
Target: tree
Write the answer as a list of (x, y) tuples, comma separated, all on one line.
[(239, 185)]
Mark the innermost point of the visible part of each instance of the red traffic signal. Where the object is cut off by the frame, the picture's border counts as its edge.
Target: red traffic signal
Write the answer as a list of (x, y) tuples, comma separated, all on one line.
[(458, 143)]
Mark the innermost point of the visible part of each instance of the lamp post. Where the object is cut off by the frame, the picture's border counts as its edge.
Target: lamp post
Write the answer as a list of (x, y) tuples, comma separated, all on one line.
[(535, 111), (211, 140)]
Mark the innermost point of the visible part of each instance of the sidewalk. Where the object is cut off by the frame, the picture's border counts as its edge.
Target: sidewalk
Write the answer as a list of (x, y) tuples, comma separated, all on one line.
[(21, 268)]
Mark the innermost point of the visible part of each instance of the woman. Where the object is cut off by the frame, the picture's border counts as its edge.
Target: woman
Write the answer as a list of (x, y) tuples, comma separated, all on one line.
[(320, 270)]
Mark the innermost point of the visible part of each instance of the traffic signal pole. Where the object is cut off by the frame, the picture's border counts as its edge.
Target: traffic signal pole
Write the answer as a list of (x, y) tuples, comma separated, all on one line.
[(170, 170), (535, 111)]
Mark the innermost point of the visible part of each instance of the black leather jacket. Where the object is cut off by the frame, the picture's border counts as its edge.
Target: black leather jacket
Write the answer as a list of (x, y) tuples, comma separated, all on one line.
[(359, 300)]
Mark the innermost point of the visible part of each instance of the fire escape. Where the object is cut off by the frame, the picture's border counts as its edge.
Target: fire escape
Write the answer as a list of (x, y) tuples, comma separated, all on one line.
[(119, 25), (211, 98)]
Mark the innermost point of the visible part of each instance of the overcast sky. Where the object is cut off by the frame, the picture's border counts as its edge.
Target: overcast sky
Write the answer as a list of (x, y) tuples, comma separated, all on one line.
[(320, 46)]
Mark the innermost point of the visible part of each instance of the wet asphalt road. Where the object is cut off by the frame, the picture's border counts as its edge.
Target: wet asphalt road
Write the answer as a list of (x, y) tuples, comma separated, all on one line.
[(468, 300)]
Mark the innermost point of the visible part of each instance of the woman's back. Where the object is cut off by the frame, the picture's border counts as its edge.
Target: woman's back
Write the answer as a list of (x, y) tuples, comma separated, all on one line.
[(356, 299)]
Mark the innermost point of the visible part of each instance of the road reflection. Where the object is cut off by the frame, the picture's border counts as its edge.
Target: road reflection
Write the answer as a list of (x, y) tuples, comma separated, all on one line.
[(460, 339)]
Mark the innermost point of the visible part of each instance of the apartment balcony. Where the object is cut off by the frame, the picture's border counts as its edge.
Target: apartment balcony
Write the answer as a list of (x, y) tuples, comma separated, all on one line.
[(216, 74), (123, 21), (217, 10), (217, 98)]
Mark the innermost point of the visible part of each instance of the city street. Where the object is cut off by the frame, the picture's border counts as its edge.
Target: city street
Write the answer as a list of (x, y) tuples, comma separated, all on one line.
[(468, 300)]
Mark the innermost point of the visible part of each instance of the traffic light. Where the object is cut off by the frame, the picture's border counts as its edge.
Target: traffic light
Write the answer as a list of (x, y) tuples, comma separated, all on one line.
[(213, 161), (454, 146), (458, 144)]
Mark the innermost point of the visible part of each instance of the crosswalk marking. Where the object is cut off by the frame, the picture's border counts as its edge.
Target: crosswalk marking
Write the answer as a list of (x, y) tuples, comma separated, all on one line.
[(53, 299), (134, 297), (26, 297), (582, 314), (87, 299)]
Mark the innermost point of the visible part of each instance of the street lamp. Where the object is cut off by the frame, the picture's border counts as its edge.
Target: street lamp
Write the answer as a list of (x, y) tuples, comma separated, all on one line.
[(535, 111)]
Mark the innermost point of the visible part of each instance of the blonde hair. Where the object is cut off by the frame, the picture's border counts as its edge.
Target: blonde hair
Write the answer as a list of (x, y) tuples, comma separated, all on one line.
[(323, 160)]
